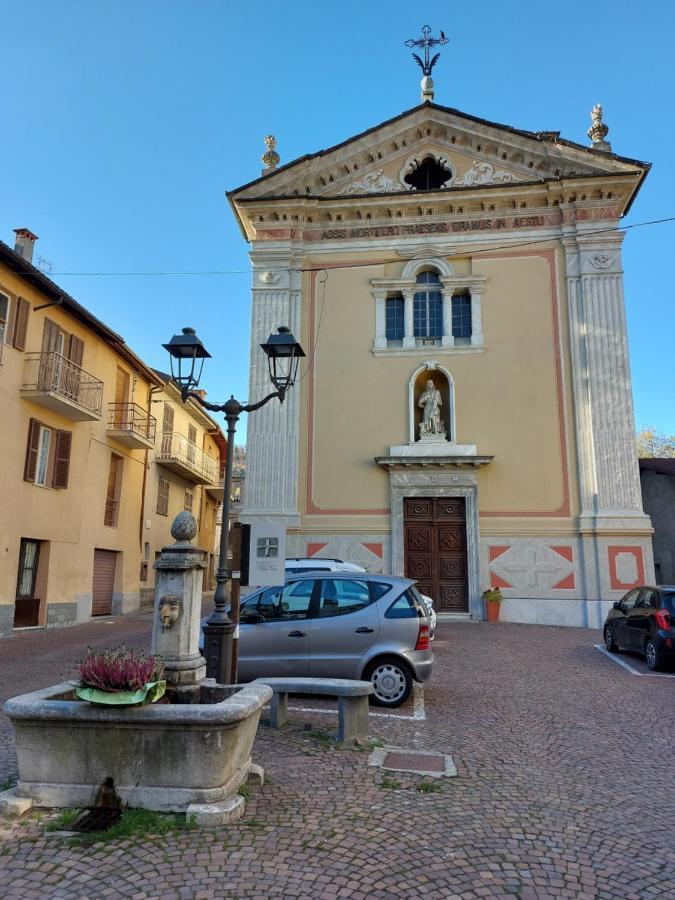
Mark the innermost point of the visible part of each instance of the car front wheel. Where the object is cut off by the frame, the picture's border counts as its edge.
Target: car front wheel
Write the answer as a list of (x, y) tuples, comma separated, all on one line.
[(610, 643), (653, 656), (392, 682)]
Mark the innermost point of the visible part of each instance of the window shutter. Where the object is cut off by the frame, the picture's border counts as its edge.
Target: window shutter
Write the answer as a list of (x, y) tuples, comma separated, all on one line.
[(167, 423), (20, 323), (75, 350), (62, 459), (30, 467), (50, 336), (163, 497)]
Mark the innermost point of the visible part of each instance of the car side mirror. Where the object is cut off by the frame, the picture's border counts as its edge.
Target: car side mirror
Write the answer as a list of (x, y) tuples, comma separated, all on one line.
[(252, 618), (618, 606)]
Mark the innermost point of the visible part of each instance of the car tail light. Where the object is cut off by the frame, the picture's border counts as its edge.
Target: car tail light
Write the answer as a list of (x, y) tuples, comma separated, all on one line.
[(423, 641), (663, 619)]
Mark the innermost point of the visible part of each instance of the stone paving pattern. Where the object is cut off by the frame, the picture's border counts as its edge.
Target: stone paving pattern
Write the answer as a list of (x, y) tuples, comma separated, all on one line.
[(565, 788)]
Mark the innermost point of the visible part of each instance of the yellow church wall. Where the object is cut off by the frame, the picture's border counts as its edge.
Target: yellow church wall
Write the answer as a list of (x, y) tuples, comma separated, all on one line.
[(509, 396)]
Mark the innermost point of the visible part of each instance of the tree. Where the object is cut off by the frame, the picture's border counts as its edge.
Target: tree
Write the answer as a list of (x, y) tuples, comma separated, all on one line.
[(652, 443)]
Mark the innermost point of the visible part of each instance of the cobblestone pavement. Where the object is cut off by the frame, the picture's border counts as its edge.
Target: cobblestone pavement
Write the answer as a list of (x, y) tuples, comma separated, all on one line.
[(565, 788)]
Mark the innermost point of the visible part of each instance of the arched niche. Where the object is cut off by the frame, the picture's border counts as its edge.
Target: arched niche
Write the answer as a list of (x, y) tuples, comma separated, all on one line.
[(442, 381)]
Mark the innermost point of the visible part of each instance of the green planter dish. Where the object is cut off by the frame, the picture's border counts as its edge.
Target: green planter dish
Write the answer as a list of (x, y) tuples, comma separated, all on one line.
[(149, 693)]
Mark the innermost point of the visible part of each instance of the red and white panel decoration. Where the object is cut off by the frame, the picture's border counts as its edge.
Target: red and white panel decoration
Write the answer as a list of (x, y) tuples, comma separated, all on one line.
[(626, 567), (532, 568)]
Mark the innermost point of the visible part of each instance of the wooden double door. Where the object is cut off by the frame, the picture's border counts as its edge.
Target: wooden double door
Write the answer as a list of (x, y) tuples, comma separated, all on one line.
[(435, 549)]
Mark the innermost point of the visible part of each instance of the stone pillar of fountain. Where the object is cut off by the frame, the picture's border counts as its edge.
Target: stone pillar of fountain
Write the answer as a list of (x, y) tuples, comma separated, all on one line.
[(176, 627)]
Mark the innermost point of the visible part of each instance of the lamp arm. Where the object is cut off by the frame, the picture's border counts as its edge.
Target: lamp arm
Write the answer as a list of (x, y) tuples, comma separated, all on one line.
[(232, 406), (251, 407)]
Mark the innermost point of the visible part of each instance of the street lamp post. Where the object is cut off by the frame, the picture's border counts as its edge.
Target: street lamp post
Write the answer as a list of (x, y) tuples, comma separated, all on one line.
[(187, 354)]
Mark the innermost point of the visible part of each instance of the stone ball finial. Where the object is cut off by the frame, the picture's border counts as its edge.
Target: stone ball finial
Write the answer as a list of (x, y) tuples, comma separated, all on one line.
[(270, 157), (427, 89), (184, 527)]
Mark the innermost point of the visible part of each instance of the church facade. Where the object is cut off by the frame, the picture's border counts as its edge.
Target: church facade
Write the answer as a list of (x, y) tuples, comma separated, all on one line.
[(465, 415)]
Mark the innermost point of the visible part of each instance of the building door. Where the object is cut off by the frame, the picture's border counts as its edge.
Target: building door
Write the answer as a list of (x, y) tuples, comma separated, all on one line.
[(104, 582), (27, 608), (435, 549)]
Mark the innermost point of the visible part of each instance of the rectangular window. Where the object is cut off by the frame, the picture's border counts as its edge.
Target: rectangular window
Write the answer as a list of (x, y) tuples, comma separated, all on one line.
[(163, 497), (189, 500), (47, 455), (112, 499), (461, 316), (428, 315), (394, 318), (44, 442), (29, 557)]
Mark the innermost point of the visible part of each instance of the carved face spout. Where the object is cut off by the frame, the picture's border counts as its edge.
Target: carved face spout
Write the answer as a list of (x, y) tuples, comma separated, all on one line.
[(170, 608)]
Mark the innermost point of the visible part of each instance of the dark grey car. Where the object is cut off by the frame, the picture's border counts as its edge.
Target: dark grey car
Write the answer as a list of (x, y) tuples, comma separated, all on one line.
[(338, 625)]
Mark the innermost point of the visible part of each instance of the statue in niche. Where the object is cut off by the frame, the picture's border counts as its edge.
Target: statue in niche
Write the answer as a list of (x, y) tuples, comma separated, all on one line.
[(170, 608), (430, 401)]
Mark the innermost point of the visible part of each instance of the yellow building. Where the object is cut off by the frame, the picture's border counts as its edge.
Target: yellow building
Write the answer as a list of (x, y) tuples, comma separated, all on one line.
[(466, 416), (188, 458), (82, 457)]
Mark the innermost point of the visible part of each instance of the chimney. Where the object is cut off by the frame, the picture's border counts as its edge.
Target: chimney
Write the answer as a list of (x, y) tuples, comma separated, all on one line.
[(25, 241)]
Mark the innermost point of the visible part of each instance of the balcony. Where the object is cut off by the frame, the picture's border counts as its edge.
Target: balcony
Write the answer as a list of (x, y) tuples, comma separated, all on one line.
[(132, 425), (179, 455), (57, 383), (216, 490)]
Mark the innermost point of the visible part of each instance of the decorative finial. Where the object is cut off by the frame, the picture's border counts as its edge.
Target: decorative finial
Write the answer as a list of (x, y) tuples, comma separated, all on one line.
[(270, 157), (598, 131), (427, 41), (184, 527)]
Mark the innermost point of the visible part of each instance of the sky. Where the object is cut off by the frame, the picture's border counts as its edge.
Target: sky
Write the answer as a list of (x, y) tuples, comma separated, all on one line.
[(123, 125)]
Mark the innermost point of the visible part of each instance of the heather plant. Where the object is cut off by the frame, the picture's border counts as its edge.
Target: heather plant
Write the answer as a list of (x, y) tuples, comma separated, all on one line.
[(119, 670)]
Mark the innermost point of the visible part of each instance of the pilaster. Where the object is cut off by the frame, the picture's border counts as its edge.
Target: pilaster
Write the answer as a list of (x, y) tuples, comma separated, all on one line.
[(476, 291), (609, 483), (380, 320), (272, 433), (408, 319), (448, 339)]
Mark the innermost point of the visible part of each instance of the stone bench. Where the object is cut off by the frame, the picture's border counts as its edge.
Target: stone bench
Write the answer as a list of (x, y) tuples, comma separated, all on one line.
[(352, 699)]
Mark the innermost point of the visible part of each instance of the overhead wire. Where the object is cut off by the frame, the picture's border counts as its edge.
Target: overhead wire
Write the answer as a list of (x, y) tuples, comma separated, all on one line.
[(347, 265)]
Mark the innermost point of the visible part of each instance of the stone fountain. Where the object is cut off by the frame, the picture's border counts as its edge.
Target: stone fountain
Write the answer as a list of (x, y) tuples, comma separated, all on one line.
[(187, 756)]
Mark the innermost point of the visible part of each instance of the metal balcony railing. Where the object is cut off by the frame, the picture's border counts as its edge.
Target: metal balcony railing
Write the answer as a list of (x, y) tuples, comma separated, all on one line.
[(178, 452), (132, 419), (52, 373)]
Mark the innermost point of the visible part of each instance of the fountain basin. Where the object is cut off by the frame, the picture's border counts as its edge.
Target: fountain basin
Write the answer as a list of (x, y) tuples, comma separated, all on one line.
[(164, 757)]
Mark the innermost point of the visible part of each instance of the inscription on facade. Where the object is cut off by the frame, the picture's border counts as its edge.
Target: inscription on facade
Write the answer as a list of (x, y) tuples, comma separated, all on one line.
[(434, 227)]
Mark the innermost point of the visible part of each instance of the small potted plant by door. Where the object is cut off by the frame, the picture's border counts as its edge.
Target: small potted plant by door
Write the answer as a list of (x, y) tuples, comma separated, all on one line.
[(493, 600), (120, 678)]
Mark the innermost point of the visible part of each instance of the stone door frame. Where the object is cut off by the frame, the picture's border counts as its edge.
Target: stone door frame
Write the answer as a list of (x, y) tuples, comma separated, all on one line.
[(423, 483)]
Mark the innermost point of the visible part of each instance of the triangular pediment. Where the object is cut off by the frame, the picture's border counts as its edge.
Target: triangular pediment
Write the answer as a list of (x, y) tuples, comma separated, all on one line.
[(476, 153)]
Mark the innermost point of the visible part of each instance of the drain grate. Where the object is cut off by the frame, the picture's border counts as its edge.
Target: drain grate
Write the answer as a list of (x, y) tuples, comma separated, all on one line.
[(414, 762), (98, 818), (417, 762)]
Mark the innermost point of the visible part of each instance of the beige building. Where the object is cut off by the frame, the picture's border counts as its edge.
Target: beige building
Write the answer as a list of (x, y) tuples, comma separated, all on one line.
[(82, 457), (466, 418)]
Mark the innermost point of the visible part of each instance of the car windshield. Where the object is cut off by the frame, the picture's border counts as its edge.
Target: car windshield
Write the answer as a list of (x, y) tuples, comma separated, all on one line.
[(669, 601)]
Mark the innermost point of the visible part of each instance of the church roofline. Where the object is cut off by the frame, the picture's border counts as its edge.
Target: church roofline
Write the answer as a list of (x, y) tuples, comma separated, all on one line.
[(504, 186), (548, 137)]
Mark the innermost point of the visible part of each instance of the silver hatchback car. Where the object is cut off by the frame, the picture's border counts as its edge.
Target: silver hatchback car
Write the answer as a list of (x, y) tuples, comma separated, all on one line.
[(338, 625)]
